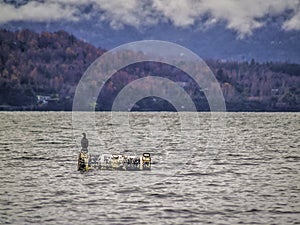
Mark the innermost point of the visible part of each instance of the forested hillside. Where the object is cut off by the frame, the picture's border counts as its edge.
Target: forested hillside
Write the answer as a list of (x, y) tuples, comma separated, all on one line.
[(41, 64), (41, 71)]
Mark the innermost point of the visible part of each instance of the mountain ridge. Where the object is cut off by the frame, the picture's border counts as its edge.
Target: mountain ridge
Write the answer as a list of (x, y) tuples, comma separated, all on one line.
[(40, 71), (268, 43)]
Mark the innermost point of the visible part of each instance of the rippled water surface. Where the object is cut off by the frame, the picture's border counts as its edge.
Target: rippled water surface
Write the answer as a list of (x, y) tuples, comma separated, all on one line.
[(252, 177)]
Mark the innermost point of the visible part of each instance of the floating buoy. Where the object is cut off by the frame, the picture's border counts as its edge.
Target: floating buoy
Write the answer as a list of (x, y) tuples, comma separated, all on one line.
[(88, 161)]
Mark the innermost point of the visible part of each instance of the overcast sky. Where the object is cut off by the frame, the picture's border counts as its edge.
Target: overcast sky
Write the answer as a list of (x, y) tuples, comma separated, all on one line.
[(242, 16)]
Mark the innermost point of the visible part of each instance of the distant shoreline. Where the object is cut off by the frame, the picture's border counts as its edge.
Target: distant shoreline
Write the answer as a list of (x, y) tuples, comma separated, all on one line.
[(21, 109)]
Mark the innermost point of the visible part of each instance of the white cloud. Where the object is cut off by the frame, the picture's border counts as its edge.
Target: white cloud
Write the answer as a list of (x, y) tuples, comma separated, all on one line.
[(181, 13), (135, 13), (293, 23), (36, 11), (120, 12), (242, 16)]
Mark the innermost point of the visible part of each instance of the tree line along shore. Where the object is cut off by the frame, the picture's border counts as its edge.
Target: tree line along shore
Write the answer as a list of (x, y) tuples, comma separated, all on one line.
[(40, 71)]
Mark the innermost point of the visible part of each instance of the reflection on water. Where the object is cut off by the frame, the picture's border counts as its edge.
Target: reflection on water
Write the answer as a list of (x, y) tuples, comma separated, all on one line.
[(254, 178)]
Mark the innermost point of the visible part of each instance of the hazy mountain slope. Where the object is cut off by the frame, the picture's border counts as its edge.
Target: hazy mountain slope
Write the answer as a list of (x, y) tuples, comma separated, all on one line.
[(51, 64)]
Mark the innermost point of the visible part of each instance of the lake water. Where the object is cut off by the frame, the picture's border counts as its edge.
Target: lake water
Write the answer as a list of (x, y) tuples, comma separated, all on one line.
[(252, 176)]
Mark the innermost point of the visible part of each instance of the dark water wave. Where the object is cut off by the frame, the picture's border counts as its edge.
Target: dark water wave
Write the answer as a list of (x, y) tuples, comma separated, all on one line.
[(253, 178)]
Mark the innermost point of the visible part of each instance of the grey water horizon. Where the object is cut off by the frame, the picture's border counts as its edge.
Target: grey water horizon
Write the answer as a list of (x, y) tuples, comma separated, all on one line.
[(252, 178)]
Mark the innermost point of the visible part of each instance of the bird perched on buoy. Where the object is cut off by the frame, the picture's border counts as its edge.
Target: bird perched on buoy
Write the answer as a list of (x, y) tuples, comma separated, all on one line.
[(84, 143)]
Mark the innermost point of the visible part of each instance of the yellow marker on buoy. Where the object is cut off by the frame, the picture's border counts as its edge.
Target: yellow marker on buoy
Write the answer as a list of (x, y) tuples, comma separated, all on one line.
[(83, 161)]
